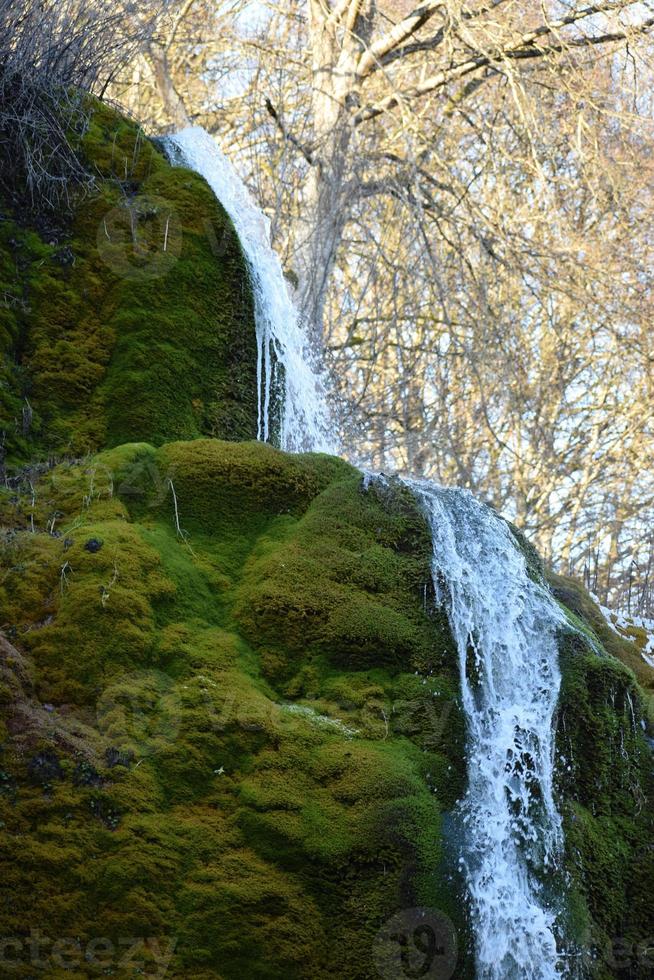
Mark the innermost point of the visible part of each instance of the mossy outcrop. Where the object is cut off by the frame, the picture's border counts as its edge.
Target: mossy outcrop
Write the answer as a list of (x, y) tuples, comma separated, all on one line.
[(130, 318), (215, 732), (232, 725), (606, 791)]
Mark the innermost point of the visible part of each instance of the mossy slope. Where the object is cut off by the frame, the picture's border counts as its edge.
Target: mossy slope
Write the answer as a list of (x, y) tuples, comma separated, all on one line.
[(215, 733), (131, 319), (232, 721)]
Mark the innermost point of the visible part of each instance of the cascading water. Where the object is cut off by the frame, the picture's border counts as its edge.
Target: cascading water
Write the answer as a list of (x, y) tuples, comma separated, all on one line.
[(281, 343), (505, 628), (504, 624)]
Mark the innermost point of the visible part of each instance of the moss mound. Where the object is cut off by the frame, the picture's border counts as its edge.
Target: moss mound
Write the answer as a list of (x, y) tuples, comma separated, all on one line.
[(215, 737), (132, 319), (232, 725)]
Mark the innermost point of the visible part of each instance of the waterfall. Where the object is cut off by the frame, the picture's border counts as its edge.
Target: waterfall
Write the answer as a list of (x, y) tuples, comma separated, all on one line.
[(504, 624), (286, 366), (505, 628)]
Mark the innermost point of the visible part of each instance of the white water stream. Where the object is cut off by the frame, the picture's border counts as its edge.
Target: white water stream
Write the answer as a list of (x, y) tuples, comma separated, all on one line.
[(305, 420), (505, 628), (504, 625)]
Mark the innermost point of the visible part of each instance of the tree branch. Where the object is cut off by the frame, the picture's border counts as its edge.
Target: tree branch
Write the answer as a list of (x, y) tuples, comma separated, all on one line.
[(524, 48), (432, 42), (179, 17), (304, 150), (397, 34)]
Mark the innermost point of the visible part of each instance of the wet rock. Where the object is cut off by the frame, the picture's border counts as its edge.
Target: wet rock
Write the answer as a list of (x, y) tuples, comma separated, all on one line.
[(85, 774), (114, 757), (44, 767)]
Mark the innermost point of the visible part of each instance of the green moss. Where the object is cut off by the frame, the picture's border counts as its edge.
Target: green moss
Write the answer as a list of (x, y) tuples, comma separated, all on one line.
[(333, 591), (253, 718), (133, 322), (239, 707), (575, 598), (606, 790), (240, 749)]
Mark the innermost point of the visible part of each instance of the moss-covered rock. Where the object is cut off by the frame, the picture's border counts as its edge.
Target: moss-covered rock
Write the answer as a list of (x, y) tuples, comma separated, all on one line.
[(232, 723), (606, 788), (232, 720), (133, 319)]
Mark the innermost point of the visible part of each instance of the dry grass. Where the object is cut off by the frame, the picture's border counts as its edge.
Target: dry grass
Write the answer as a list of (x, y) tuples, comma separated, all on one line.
[(52, 54)]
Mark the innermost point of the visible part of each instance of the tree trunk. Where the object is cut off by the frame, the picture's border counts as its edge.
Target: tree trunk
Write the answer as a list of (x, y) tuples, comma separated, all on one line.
[(169, 95), (317, 232)]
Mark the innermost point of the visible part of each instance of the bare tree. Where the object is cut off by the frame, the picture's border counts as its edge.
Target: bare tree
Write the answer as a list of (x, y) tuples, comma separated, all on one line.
[(371, 74), (360, 72)]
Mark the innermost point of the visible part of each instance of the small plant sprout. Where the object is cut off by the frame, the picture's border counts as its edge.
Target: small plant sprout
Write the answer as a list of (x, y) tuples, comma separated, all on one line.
[(66, 570), (181, 533), (32, 506), (105, 590)]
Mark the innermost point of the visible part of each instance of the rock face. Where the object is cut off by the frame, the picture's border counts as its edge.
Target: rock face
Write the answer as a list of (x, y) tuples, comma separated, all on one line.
[(231, 739)]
